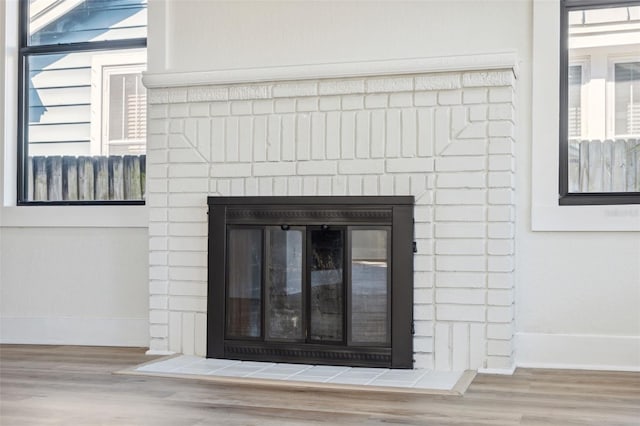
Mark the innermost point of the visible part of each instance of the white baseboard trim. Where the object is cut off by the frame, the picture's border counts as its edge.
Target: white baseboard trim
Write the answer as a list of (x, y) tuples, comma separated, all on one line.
[(158, 352), (581, 352), (132, 332)]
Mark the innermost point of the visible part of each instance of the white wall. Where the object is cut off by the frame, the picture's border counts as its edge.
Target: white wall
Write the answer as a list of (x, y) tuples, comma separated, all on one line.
[(577, 291), (68, 275)]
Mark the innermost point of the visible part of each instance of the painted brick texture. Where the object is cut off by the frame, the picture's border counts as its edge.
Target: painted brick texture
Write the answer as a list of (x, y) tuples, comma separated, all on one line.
[(446, 138)]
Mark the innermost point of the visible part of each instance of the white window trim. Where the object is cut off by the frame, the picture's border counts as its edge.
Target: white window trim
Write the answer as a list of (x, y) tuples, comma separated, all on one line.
[(546, 214), (40, 216), (585, 63), (101, 67), (611, 92)]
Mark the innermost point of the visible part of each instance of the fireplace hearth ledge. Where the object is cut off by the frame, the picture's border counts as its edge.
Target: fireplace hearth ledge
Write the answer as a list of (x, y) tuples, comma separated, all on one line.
[(317, 377)]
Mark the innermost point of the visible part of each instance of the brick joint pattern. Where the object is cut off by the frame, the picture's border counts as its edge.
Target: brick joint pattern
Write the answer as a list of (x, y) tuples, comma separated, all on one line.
[(446, 138)]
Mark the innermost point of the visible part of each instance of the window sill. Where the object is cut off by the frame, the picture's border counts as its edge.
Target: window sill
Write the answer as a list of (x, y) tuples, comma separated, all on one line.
[(74, 216)]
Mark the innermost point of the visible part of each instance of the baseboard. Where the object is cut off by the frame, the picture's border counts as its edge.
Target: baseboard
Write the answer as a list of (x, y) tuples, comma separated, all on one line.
[(573, 351), (75, 331), (501, 371)]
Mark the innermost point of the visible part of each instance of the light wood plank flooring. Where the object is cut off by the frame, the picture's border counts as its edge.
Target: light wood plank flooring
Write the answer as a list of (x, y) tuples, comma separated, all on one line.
[(63, 385)]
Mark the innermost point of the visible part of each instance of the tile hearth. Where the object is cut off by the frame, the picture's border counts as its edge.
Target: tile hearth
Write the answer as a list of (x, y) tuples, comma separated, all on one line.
[(372, 378)]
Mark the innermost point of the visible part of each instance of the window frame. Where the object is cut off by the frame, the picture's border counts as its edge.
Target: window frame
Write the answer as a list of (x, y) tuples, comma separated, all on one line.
[(612, 61), (567, 198), (24, 52)]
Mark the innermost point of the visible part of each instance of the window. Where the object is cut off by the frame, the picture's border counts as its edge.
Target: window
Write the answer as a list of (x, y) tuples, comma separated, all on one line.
[(600, 102), (82, 105)]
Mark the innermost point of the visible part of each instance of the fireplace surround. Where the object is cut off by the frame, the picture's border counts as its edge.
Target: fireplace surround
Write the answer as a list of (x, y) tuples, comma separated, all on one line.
[(442, 130), (322, 280)]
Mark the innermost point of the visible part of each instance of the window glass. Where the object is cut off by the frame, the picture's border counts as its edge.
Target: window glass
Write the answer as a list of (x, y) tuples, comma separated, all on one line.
[(602, 109), (84, 106)]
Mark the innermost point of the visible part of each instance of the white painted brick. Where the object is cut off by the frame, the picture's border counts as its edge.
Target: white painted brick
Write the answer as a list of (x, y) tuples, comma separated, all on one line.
[(500, 362), (500, 263), (474, 130), (501, 94), (459, 246), (274, 169), (188, 304), (185, 156), (501, 230), (303, 137), (402, 184), (157, 200), (398, 84), (500, 314), (317, 167), (339, 185), (500, 297), (294, 186), (178, 110), (461, 180), (500, 331), (354, 185), (330, 103), (460, 263), (280, 186), (250, 92), (156, 330), (324, 186), (184, 258), (501, 163), (157, 185), (488, 78), (158, 302), (423, 344), (477, 346), (333, 133), (423, 279), (461, 196), (347, 135), (157, 156), (459, 164), (501, 213), (309, 185), (241, 108), (285, 105), (158, 127), (376, 101), (158, 96), (265, 186), (362, 167), (409, 132), (460, 347), (459, 296), (177, 94), (231, 170), (501, 180), (191, 229), (158, 243), (422, 263), (500, 247), (502, 112), (442, 347), (423, 213), (317, 136), (450, 97), (501, 128), (460, 279), (362, 141), (220, 108), (207, 94), (477, 112), (158, 317), (369, 185), (188, 170), (459, 313), (188, 243), (181, 185), (288, 152), (188, 288), (157, 229), (341, 87), (425, 98), (273, 138), (460, 230), (460, 213), (501, 196), (307, 104), (290, 90), (263, 106), (378, 132), (250, 187), (177, 273), (423, 312), (438, 82), (401, 100), (474, 96), (500, 280), (186, 200), (158, 258), (157, 214), (423, 361), (422, 296), (499, 348), (200, 334), (351, 102), (501, 146), (175, 332), (408, 165), (393, 133)]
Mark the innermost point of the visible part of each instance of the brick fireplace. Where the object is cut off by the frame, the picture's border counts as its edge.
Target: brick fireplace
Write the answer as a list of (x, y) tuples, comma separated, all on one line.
[(438, 129)]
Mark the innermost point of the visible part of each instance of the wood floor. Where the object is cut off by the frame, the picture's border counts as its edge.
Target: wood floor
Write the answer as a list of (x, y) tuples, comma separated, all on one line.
[(61, 385)]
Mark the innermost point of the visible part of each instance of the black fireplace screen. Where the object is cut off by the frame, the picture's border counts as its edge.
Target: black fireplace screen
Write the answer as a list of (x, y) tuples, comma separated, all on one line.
[(324, 280)]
